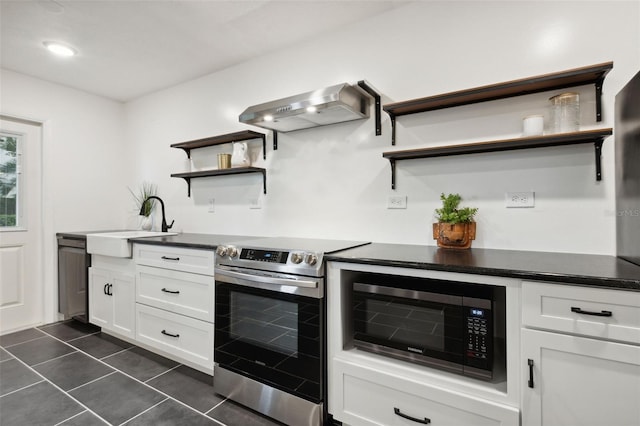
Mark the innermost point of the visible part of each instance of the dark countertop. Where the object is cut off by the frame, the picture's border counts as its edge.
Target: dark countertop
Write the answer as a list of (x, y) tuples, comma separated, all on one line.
[(203, 241), (568, 268), (577, 269)]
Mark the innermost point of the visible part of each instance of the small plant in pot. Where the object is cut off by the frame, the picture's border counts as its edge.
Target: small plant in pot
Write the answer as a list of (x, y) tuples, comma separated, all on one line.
[(455, 227), (145, 190)]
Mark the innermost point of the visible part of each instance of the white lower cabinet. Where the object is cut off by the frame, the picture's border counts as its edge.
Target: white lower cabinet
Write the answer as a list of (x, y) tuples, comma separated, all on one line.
[(184, 337), (579, 381), (112, 301), (175, 303), (580, 356), (371, 397)]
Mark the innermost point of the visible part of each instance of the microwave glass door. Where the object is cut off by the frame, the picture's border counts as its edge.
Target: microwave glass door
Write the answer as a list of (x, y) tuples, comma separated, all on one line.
[(422, 326)]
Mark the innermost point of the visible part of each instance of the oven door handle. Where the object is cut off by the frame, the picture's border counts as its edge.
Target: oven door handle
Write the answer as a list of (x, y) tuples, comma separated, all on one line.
[(269, 280)]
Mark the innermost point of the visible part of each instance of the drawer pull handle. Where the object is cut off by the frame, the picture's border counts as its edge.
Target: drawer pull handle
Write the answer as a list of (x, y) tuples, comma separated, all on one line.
[(170, 258), (530, 382), (169, 334), (595, 314), (171, 291), (424, 421)]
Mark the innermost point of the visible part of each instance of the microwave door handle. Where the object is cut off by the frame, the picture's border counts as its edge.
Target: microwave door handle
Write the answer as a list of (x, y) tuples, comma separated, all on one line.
[(272, 280)]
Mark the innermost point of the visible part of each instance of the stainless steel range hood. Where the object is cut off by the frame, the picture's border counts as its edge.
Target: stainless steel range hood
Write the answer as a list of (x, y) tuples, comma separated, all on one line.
[(335, 104)]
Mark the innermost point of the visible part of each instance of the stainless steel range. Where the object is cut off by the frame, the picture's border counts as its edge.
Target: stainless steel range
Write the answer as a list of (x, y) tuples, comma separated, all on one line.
[(270, 331)]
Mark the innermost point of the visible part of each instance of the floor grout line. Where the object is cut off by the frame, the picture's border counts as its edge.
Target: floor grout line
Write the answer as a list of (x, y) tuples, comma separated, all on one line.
[(141, 413), (61, 390), (217, 405), (82, 337), (22, 388), (94, 380), (163, 373), (52, 359), (113, 354), (131, 377), (26, 341)]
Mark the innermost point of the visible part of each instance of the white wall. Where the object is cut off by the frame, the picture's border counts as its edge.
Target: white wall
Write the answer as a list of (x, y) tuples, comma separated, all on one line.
[(85, 163), (332, 182)]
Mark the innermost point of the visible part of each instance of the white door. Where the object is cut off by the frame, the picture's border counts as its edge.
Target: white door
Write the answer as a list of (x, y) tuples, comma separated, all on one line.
[(21, 286), (579, 381)]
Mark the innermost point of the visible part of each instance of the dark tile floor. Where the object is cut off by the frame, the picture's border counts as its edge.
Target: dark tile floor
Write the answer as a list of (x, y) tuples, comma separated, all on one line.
[(69, 373)]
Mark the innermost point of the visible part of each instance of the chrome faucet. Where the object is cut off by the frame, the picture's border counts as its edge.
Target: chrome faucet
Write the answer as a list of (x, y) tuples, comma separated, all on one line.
[(165, 227)]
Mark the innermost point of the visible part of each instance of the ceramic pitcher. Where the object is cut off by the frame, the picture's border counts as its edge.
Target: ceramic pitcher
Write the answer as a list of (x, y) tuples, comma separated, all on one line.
[(240, 155)]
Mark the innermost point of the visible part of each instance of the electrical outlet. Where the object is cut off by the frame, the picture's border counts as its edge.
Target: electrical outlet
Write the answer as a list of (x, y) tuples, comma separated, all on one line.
[(397, 202), (212, 208), (255, 203), (519, 199)]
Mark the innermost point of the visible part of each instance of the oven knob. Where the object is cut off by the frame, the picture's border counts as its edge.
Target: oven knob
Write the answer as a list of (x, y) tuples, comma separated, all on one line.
[(221, 251), (296, 257), (311, 258), (233, 252)]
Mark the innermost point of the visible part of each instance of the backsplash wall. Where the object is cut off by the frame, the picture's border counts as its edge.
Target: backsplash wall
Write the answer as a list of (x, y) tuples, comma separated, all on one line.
[(332, 182)]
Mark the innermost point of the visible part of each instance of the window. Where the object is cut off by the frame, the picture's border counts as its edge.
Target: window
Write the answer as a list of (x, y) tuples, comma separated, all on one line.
[(10, 187)]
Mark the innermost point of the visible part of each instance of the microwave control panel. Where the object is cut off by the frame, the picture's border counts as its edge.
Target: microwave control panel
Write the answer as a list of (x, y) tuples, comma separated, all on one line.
[(479, 337)]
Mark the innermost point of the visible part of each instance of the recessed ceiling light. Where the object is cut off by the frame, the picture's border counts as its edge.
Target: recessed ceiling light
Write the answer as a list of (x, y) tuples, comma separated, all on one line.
[(59, 48)]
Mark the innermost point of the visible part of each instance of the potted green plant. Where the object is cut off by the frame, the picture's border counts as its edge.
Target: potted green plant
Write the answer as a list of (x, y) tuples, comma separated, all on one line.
[(455, 227), (145, 190)]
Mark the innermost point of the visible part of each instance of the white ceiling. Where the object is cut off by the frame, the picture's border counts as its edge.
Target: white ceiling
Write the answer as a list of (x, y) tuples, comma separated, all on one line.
[(128, 48)]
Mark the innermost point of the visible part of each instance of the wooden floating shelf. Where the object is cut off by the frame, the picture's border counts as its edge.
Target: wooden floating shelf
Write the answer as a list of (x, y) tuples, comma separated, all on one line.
[(587, 136), (187, 176), (593, 74), (222, 139)]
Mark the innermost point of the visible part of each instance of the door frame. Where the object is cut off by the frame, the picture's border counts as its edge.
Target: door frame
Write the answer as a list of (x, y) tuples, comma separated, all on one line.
[(47, 246)]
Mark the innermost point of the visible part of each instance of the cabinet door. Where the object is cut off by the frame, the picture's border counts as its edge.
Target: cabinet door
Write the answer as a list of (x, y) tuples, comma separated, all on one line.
[(100, 303), (579, 381), (124, 308)]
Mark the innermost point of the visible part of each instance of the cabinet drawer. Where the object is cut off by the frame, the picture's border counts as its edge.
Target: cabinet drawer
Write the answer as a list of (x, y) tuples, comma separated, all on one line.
[(196, 261), (179, 292), (602, 313), (181, 336), (370, 398)]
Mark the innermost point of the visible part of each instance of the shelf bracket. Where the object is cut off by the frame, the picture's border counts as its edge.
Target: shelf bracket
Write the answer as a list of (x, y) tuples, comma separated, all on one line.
[(376, 97), (188, 180), (599, 83), (275, 140), (393, 129), (598, 149), (393, 173), (264, 182), (187, 151)]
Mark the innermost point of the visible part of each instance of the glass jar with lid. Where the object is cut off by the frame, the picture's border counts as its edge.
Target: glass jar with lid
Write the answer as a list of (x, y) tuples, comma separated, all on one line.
[(565, 112)]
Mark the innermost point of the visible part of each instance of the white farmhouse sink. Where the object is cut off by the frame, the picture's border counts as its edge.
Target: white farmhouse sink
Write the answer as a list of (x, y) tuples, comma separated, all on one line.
[(116, 244)]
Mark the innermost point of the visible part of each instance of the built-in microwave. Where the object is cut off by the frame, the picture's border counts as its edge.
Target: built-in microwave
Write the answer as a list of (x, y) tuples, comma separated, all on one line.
[(449, 325)]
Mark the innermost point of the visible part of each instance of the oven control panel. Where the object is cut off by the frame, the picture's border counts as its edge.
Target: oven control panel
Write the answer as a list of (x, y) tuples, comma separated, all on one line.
[(291, 259), (271, 256)]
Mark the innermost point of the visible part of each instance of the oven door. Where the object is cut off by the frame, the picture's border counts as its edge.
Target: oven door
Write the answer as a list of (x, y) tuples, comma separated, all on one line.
[(266, 330), (415, 326)]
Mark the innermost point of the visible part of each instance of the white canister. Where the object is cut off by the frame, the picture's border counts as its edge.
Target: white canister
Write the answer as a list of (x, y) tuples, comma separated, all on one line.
[(533, 125)]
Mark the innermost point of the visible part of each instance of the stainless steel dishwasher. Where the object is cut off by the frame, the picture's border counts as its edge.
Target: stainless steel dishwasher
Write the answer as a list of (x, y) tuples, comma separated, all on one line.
[(73, 271)]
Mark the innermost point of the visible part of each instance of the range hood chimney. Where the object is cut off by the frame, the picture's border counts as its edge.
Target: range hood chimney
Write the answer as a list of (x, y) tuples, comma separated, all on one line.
[(335, 104)]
